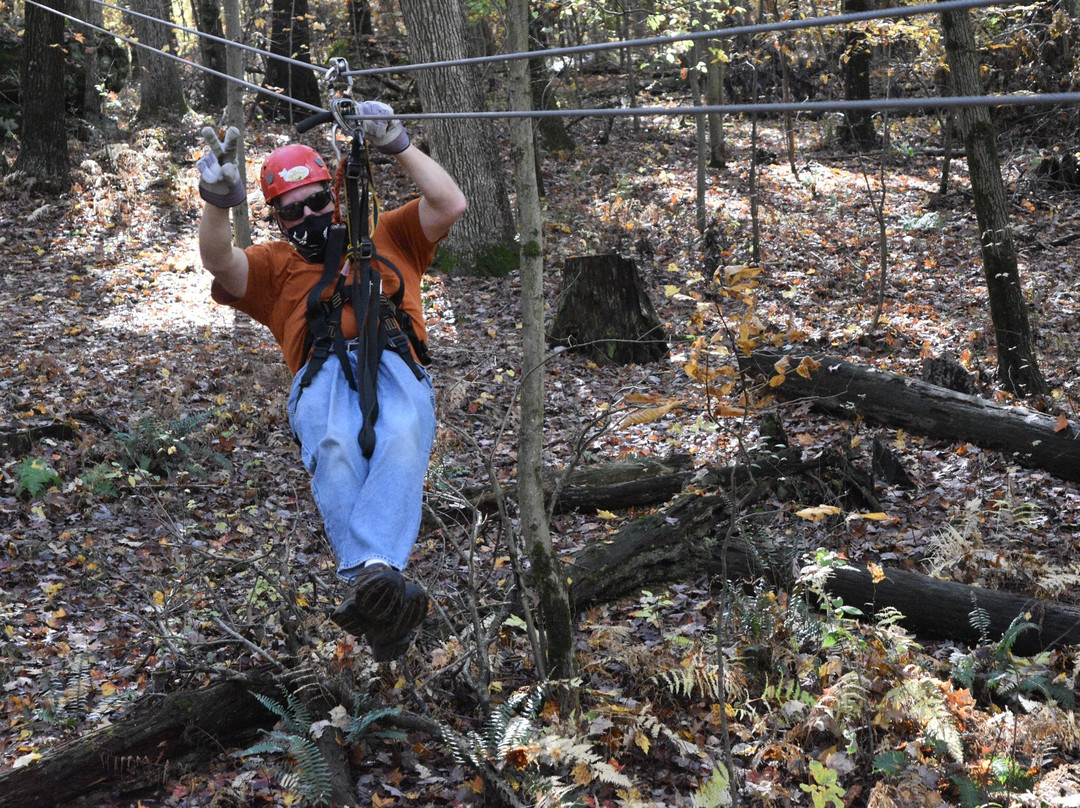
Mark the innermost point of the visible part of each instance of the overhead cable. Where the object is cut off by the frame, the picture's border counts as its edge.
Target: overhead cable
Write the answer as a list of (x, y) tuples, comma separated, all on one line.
[(873, 104), (180, 59), (758, 28)]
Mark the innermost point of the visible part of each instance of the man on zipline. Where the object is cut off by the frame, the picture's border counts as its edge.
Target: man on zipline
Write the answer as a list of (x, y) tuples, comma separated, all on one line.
[(370, 498)]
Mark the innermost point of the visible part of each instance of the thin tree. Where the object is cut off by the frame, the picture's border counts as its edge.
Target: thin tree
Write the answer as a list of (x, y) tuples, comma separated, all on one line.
[(235, 115), (43, 146), (556, 618), (1018, 367), (484, 237), (161, 95)]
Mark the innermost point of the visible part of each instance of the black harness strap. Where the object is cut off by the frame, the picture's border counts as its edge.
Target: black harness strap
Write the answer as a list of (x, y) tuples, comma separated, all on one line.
[(379, 321)]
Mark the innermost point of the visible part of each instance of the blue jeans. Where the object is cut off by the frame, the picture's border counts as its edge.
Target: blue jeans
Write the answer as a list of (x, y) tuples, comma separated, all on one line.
[(371, 508)]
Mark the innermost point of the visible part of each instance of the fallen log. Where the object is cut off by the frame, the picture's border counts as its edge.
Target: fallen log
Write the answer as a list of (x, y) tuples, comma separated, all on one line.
[(613, 486), (1031, 438), (155, 741), (684, 542)]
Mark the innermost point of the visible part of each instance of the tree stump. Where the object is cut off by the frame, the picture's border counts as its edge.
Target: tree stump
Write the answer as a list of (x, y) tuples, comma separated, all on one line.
[(605, 311)]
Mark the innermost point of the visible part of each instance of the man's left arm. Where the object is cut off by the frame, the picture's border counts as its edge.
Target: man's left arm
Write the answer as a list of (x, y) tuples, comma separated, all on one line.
[(441, 201)]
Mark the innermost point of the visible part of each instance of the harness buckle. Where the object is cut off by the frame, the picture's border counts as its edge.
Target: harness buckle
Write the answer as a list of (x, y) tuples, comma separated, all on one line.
[(365, 251)]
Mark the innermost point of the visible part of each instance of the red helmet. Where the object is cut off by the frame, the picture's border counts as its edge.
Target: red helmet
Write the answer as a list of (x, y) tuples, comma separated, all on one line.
[(291, 167)]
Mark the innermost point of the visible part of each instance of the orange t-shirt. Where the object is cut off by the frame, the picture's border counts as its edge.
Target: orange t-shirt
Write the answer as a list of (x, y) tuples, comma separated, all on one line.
[(279, 281)]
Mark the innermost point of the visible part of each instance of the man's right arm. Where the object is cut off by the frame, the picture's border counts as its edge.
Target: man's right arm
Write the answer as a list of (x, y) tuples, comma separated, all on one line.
[(225, 261)]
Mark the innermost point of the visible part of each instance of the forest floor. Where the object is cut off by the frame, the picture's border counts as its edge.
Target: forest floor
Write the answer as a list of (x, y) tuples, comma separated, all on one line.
[(112, 582)]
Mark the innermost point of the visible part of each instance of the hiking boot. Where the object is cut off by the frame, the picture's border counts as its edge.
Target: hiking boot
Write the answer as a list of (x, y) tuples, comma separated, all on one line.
[(376, 599), (392, 639)]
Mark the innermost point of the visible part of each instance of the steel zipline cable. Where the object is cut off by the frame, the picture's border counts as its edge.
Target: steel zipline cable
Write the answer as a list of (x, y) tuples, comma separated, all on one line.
[(211, 37), (758, 28), (946, 102), (181, 59)]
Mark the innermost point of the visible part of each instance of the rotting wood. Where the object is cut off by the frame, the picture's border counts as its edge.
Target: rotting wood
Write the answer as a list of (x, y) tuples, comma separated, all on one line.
[(141, 748)]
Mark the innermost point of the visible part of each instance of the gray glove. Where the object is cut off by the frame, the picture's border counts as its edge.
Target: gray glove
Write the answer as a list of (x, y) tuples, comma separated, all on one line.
[(219, 175), (388, 136)]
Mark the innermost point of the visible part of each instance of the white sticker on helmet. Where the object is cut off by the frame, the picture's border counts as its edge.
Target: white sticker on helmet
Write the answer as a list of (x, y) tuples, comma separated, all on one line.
[(295, 174)]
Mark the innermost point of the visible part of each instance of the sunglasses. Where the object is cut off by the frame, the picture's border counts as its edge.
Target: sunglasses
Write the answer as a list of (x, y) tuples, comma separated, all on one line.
[(295, 210)]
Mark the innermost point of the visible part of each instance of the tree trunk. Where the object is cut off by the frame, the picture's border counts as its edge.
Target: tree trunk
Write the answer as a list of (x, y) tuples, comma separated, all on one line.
[(43, 152), (1017, 363), (553, 132), (290, 36), (241, 216), (556, 624), (605, 311), (90, 100), (161, 95), (483, 239), (360, 19), (1026, 436), (858, 123), (208, 20)]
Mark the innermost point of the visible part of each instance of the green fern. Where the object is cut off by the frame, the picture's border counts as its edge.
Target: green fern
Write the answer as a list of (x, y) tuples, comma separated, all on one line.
[(361, 722), (305, 769), (714, 792), (924, 701), (698, 676), (293, 714)]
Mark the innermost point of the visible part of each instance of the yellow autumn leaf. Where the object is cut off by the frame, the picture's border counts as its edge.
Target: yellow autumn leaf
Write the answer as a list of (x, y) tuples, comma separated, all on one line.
[(727, 411), (901, 439), (642, 741), (876, 516), (606, 514), (776, 381), (739, 274), (807, 366), (159, 598), (818, 512), (670, 291), (877, 574), (649, 414)]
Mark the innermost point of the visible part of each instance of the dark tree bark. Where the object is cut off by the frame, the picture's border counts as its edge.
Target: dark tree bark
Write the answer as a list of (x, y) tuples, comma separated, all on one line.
[(290, 35), (553, 132), (858, 123), (483, 239), (161, 95), (605, 311), (360, 19), (1017, 363), (43, 152), (1029, 437), (208, 20)]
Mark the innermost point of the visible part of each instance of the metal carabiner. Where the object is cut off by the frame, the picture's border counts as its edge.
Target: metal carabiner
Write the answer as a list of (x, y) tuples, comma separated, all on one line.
[(339, 68), (342, 108)]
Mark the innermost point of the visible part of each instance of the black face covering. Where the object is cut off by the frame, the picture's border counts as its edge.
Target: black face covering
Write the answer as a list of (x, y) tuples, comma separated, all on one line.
[(309, 236)]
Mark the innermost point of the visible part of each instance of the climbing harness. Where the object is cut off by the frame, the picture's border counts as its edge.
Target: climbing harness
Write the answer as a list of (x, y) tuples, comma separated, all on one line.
[(380, 321)]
